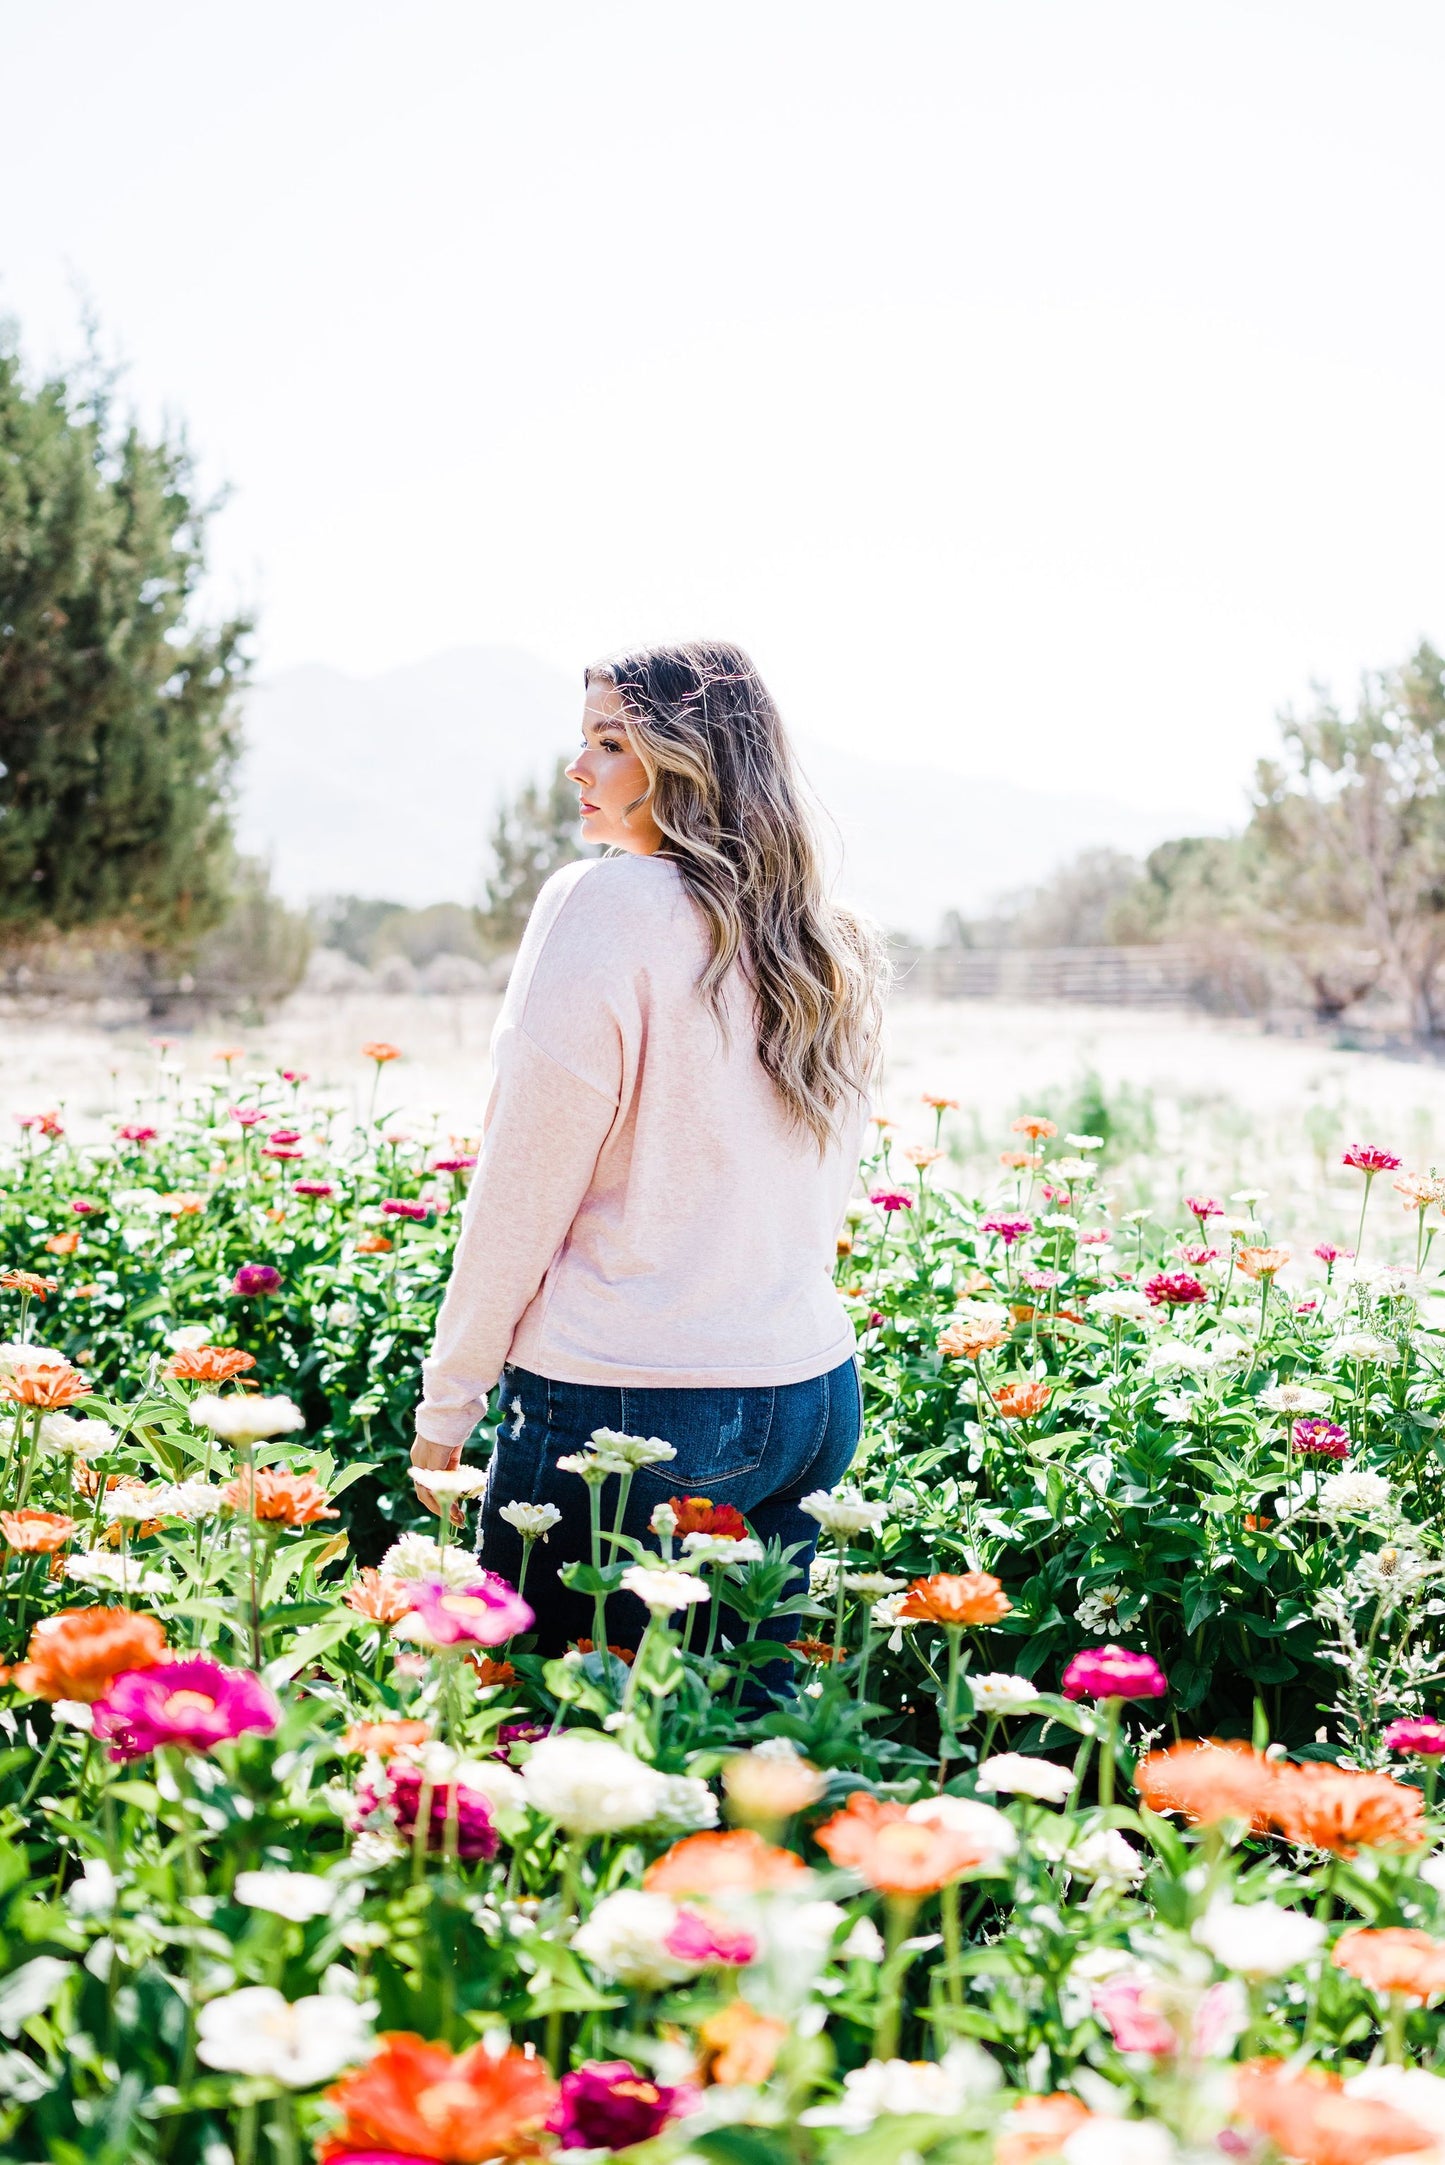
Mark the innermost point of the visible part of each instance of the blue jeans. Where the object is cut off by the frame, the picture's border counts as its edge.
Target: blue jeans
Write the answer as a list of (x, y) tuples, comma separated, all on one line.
[(761, 1450)]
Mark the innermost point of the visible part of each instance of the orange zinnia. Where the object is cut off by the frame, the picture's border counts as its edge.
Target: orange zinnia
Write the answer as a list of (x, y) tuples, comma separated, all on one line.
[(62, 1244), (896, 1854), (1020, 1161), (1323, 1807), (75, 1654), (381, 1052), (815, 1650), (373, 1244), (36, 1533), (742, 2045), (1038, 2127), (625, 1654), (288, 1499), (27, 1282), (1307, 2113), (428, 2102), (700, 1515), (1395, 1959), (1261, 1262), (385, 1737), (1209, 1781), (1020, 1401), (380, 1600), (1036, 1128), (47, 1388), (968, 1597), (209, 1364), (961, 1343), (739, 1862)]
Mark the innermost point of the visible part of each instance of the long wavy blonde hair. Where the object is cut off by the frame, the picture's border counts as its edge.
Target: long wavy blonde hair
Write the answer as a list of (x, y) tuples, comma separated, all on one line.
[(724, 790)]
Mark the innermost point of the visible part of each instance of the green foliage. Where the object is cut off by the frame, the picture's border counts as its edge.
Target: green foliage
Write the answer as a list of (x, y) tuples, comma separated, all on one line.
[(532, 837), (117, 727)]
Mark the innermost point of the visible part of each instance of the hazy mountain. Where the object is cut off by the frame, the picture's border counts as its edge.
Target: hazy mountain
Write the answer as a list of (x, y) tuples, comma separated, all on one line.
[(384, 785)]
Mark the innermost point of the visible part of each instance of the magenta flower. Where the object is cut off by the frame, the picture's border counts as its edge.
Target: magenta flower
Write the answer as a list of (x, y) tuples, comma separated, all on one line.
[(891, 1199), (1202, 1207), (396, 1206), (607, 2105), (134, 1132), (83, 1209), (284, 1135), (483, 1614), (1113, 1672), (1328, 1253), (312, 1187), (192, 1703), (1318, 1438), (246, 1116), (1174, 1289), (294, 1075), (515, 1732), (399, 1795), (1197, 1258), (452, 1165), (1133, 2023), (255, 1278), (1417, 1733), (1008, 1229), (1365, 1158), (709, 1942), (1041, 1281)]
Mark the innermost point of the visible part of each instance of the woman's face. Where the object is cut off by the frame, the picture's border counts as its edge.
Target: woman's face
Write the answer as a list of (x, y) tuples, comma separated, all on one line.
[(610, 777)]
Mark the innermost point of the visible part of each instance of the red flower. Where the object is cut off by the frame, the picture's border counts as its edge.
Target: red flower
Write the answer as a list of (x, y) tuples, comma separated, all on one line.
[(396, 1206), (134, 1132), (607, 2105), (1113, 1672), (1365, 1158), (1008, 1229), (1174, 1289), (891, 1199), (1316, 1438), (312, 1187), (699, 1515), (416, 2102), (1203, 1207)]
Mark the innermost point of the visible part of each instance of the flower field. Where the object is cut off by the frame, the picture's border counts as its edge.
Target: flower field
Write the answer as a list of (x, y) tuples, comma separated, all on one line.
[(1098, 1821)]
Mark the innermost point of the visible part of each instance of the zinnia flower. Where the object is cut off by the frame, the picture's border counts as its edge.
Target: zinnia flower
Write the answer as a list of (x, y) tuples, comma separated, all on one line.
[(397, 1206), (590, 1785), (1113, 1672), (400, 1797), (1417, 1733), (484, 1614), (285, 1499), (1174, 1289), (417, 2101), (1365, 1158), (890, 1199), (737, 1862), (76, 1653), (254, 1279), (298, 2043), (742, 2045), (50, 1387), (1034, 1125), (964, 1342), (897, 1855), (770, 1786), (1261, 1262), (317, 1189), (383, 1738), (1020, 1401), (1306, 2112), (1336, 1808), (608, 2105), (705, 1941), (36, 1533), (1203, 1207), (969, 1597), (1038, 2127), (380, 1052), (1396, 1959), (699, 1515), (1008, 1230), (1321, 1439), (209, 1364), (191, 1703), (379, 1600), (1209, 1782)]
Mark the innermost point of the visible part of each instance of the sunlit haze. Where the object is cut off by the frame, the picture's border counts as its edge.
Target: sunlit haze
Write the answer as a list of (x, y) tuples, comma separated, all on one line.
[(1039, 391)]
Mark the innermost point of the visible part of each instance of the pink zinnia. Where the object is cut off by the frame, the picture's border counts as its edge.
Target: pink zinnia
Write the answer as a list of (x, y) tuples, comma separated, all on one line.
[(483, 1614), (1318, 1438), (1329, 1253), (452, 1165), (1131, 2021), (399, 1794), (1008, 1229), (1417, 1733), (1041, 1281), (282, 1151), (1365, 1158), (709, 1942), (256, 1278), (891, 1199), (1202, 1207), (83, 1209), (312, 1187), (246, 1115), (133, 1132), (1174, 1289), (396, 1206), (1196, 1258), (608, 2105), (1112, 1672), (192, 1704)]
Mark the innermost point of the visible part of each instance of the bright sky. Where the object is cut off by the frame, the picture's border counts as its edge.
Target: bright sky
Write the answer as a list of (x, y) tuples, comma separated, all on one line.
[(1037, 388)]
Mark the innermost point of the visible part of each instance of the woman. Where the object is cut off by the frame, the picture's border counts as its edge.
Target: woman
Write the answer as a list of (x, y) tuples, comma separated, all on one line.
[(681, 1069)]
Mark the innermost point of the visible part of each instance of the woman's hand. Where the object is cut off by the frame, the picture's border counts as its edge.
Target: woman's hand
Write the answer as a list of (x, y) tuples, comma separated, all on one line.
[(441, 1457)]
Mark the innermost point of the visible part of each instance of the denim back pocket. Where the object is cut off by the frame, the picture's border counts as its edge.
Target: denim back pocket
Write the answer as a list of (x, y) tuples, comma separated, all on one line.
[(717, 1435)]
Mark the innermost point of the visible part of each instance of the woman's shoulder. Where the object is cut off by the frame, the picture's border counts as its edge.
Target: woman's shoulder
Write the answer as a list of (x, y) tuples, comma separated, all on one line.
[(609, 889)]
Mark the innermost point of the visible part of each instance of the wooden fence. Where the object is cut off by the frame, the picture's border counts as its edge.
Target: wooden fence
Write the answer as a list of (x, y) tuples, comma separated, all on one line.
[(1107, 976)]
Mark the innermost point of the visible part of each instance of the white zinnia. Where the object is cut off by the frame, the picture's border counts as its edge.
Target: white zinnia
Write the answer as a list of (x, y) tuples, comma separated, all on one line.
[(1367, 1347), (417, 1556), (1358, 1492), (1121, 1307), (1295, 1398), (533, 1521), (997, 1693), (626, 1936), (591, 1786), (940, 2089), (458, 1481), (982, 1823), (1104, 2140), (116, 1573), (663, 1591), (299, 2043), (1088, 1142), (687, 1806), (243, 1419), (18, 1360), (722, 1549), (1107, 1858), (1413, 2091), (634, 1451), (188, 1500), (94, 1893), (70, 1436), (1258, 1939), (1022, 1776), (1099, 1611), (127, 1506), (846, 1511), (189, 1338), (297, 1896)]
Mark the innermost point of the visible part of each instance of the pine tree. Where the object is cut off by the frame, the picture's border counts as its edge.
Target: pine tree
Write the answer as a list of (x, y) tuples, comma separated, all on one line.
[(532, 837), (118, 733)]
